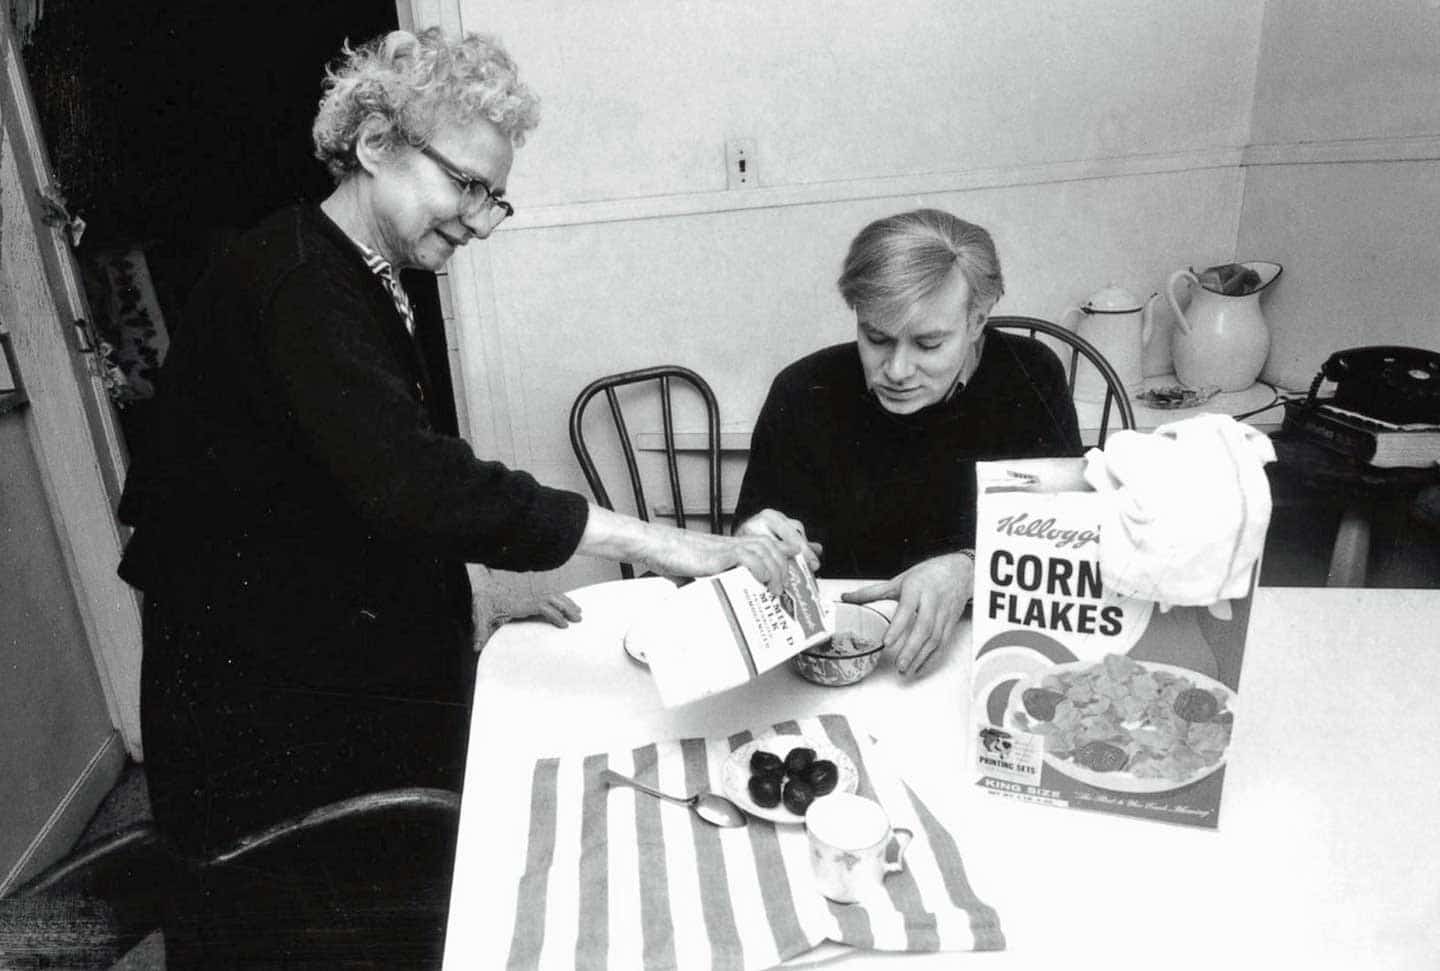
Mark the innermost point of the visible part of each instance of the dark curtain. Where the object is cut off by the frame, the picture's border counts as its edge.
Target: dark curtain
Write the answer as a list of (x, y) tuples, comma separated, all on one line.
[(174, 124), (174, 119)]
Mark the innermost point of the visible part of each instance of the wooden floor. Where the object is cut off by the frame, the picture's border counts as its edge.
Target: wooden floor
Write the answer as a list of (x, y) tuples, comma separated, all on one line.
[(148, 955), (128, 803)]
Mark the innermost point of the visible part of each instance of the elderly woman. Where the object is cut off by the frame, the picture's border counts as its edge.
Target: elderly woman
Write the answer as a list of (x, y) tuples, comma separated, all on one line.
[(869, 447), (302, 531)]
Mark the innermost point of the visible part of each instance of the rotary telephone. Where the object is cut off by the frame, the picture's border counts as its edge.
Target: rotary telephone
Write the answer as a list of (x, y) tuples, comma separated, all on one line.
[(1400, 385)]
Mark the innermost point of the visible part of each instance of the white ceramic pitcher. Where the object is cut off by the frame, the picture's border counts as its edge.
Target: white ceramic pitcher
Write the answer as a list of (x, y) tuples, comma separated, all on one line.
[(1119, 325), (1220, 339)]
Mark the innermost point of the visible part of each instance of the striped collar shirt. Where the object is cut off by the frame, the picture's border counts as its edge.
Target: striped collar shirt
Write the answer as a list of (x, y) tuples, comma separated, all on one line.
[(381, 267)]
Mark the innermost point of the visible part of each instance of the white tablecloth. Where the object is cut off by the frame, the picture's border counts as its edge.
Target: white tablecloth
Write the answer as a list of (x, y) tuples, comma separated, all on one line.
[(1325, 855)]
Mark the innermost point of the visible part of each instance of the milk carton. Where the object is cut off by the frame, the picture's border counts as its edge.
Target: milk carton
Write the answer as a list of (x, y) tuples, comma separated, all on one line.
[(722, 631)]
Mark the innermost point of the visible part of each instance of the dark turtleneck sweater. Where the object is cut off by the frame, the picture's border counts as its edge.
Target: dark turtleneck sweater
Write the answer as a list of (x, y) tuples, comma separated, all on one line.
[(882, 491)]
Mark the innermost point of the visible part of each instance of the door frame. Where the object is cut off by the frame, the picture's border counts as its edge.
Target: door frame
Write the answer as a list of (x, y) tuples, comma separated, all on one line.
[(72, 422)]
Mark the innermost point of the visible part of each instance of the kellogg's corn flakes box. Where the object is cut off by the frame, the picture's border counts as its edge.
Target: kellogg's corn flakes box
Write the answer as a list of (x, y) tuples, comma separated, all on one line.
[(1084, 698)]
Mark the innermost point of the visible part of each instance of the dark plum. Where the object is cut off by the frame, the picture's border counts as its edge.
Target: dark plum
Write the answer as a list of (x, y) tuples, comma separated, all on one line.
[(822, 776), (798, 760), (766, 763), (765, 790), (797, 796)]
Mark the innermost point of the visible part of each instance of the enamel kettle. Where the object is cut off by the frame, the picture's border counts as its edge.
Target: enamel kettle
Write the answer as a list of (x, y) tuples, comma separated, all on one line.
[(1221, 338), (1119, 326)]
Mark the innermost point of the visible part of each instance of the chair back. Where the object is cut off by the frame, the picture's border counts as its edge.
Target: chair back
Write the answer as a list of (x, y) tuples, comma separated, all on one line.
[(363, 882), (1116, 395), (358, 883), (89, 909), (663, 377)]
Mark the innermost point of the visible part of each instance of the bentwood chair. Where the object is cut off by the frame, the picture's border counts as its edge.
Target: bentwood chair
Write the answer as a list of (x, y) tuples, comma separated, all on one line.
[(92, 907), (1115, 393), (663, 377), (352, 884)]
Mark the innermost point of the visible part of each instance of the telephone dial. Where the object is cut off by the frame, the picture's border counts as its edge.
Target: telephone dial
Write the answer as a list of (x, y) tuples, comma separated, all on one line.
[(1400, 385)]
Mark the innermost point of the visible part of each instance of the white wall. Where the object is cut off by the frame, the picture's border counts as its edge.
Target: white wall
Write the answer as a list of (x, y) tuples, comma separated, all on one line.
[(1336, 69), (640, 95), (1343, 183), (1099, 140)]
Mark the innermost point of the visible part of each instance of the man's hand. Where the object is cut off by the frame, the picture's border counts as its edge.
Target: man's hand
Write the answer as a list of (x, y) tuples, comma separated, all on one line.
[(932, 595), (782, 529)]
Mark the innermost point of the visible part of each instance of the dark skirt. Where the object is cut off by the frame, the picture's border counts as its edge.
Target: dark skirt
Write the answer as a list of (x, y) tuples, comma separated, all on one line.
[(246, 724)]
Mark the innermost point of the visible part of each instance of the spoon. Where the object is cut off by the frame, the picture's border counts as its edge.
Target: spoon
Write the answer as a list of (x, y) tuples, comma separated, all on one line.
[(716, 810)]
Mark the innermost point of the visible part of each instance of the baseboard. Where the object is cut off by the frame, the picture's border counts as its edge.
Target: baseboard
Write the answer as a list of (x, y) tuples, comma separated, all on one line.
[(74, 811)]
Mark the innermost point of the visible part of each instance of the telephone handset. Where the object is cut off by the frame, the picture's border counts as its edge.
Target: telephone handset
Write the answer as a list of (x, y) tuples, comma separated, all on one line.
[(1395, 384)]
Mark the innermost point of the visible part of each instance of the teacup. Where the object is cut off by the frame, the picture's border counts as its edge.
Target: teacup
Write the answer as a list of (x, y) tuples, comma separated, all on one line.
[(850, 841)]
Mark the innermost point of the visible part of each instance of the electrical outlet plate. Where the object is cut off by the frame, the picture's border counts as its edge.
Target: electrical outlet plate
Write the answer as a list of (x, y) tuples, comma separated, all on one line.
[(741, 170)]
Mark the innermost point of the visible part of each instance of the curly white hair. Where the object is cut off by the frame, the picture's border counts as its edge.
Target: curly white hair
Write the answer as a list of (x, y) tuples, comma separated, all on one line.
[(411, 84)]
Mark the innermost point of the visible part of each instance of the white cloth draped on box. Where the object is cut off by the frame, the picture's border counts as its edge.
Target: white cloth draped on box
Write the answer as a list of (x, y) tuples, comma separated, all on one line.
[(1189, 507)]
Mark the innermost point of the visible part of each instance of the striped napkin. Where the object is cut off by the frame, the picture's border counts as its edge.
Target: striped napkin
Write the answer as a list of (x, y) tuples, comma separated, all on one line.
[(613, 878)]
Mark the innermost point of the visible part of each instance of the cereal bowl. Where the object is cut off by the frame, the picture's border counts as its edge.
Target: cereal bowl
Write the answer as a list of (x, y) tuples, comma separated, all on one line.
[(851, 654)]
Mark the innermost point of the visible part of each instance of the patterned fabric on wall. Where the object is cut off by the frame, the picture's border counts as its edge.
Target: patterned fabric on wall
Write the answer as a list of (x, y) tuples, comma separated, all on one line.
[(128, 321), (165, 117)]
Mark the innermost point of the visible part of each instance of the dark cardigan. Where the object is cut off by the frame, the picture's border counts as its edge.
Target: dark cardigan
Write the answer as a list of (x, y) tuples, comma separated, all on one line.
[(883, 491), (301, 527), (296, 433)]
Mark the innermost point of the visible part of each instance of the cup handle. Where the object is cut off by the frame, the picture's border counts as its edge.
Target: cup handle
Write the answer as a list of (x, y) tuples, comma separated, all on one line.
[(900, 838)]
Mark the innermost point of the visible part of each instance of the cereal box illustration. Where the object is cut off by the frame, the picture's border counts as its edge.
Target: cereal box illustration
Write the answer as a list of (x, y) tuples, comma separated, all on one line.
[(1084, 698)]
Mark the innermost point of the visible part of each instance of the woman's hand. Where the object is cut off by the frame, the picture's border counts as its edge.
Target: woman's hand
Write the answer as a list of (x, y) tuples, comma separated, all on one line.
[(932, 595), (683, 553), (678, 552), (782, 529), (553, 608)]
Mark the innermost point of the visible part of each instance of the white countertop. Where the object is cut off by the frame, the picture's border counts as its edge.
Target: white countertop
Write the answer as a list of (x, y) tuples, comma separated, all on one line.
[(1325, 854)]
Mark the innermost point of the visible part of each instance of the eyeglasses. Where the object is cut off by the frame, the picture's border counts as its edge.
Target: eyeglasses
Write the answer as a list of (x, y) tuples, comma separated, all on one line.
[(473, 192)]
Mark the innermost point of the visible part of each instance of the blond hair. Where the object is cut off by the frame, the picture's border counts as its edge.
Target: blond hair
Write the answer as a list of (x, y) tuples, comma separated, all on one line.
[(896, 262)]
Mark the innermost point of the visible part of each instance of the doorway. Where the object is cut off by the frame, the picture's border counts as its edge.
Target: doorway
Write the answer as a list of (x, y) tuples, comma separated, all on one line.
[(168, 127), (172, 126)]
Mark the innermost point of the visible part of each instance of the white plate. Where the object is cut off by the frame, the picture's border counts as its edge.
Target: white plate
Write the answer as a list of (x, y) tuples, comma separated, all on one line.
[(636, 652), (646, 593), (735, 778), (1120, 781)]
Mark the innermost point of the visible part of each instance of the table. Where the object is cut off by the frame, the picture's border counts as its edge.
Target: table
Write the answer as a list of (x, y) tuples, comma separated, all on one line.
[(1325, 856), (1252, 399)]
